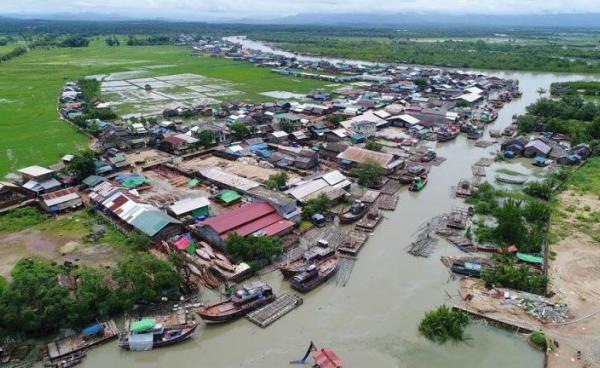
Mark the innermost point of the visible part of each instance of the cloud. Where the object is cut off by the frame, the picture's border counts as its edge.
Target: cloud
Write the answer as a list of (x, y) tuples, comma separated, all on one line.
[(199, 9)]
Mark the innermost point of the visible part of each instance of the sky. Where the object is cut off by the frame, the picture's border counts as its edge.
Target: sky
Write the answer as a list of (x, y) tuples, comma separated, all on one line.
[(264, 9)]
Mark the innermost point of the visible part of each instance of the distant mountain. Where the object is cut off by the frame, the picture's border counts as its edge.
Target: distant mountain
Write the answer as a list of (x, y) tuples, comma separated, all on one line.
[(74, 16), (591, 20)]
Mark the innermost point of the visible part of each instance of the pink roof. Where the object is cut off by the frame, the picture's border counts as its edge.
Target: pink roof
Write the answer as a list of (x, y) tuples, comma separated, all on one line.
[(244, 220)]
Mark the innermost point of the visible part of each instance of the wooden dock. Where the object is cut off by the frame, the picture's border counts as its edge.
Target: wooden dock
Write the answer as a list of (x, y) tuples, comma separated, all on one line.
[(271, 312), (478, 170), (76, 343), (391, 187)]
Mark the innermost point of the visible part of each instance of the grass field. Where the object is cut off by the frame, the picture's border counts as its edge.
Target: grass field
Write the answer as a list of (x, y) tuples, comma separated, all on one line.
[(30, 131)]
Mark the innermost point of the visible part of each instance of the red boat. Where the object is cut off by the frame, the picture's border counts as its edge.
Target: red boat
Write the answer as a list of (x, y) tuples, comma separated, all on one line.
[(243, 301), (324, 358), (315, 275)]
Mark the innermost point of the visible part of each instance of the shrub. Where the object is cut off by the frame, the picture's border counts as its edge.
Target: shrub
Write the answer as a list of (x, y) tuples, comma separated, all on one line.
[(538, 340), (442, 324)]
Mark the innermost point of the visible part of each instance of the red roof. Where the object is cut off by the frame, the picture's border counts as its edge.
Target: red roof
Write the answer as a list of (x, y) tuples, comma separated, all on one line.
[(326, 358), (247, 220)]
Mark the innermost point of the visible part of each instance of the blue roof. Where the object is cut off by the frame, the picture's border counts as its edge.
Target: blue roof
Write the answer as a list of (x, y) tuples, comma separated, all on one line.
[(152, 221), (258, 147), (92, 329), (539, 159)]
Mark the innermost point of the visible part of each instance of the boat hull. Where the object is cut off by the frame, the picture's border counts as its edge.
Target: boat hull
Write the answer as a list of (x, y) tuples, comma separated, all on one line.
[(188, 333), (235, 312)]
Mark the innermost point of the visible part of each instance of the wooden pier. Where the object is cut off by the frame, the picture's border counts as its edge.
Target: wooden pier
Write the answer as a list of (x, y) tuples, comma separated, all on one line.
[(271, 312), (391, 187), (76, 343), (478, 170)]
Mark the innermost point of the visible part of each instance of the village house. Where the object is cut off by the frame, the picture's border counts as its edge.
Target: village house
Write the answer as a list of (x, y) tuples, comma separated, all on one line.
[(61, 200), (353, 156), (39, 179), (11, 194), (179, 144), (130, 212), (331, 150), (195, 207), (258, 218), (536, 148), (333, 184)]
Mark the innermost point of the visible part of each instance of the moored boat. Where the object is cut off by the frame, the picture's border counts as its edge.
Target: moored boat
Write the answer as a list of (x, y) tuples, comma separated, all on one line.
[(146, 334), (464, 188), (315, 275), (316, 253), (355, 213), (243, 301), (418, 184), (511, 179)]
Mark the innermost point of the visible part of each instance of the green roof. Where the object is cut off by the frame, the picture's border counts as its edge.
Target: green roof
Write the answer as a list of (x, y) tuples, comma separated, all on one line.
[(143, 325), (93, 180), (229, 196), (530, 258), (150, 222)]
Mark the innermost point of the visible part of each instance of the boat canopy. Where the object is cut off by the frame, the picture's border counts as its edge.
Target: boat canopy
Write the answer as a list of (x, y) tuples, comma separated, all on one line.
[(141, 342), (91, 330), (143, 325)]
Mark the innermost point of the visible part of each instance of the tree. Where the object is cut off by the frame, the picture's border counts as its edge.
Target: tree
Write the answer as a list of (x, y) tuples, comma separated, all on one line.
[(511, 227), (138, 241), (369, 173), (277, 182), (541, 190), (506, 273), (144, 278), (254, 250), (373, 146), (443, 323), (75, 41), (83, 164), (286, 126), (421, 83), (239, 130), (313, 206), (206, 137)]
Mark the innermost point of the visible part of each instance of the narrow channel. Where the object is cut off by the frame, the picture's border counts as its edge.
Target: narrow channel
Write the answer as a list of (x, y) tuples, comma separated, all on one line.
[(372, 322)]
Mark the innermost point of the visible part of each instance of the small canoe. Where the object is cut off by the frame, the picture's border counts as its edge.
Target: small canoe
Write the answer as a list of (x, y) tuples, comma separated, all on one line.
[(511, 179)]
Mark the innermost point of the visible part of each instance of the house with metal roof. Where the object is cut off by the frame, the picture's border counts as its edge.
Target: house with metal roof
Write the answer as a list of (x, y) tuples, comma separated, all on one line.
[(194, 206), (131, 212), (61, 200), (354, 156), (536, 147), (258, 218), (333, 184)]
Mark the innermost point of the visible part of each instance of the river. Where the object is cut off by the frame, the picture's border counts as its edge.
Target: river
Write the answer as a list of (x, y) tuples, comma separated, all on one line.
[(373, 321)]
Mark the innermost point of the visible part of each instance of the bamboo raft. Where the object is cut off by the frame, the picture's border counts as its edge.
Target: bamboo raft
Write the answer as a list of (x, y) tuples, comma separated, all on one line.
[(438, 161), (484, 143), (391, 187), (271, 312), (458, 218), (387, 202), (478, 170), (353, 242), (370, 221), (344, 270), (484, 161), (476, 181)]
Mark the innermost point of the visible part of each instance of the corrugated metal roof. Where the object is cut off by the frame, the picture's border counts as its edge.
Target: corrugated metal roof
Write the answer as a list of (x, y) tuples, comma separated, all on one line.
[(188, 205), (360, 155), (61, 196), (306, 189), (334, 177), (35, 171), (226, 178), (231, 220)]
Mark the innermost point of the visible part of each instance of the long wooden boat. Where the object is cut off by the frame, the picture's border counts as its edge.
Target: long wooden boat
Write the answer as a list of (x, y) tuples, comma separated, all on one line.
[(510, 179), (315, 275), (157, 337), (319, 252), (243, 301), (355, 213)]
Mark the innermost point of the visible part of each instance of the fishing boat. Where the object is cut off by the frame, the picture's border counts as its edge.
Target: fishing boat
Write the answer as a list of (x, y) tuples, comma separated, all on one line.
[(418, 184), (466, 268), (445, 136), (316, 253), (511, 179), (243, 301), (145, 334), (355, 213), (323, 358), (473, 134), (315, 275)]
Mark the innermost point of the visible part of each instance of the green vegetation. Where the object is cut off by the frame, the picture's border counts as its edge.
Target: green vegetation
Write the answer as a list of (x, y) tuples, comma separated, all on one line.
[(506, 273), (35, 304), (20, 219), (153, 40), (75, 41), (569, 114), (467, 52), (83, 164), (587, 178), (368, 173), (206, 137), (277, 182), (538, 340), (541, 190), (373, 146), (314, 206), (443, 324), (254, 250), (16, 52), (32, 133), (239, 130)]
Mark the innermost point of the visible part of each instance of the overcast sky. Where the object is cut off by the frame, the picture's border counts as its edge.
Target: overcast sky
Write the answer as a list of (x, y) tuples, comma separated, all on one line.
[(204, 9)]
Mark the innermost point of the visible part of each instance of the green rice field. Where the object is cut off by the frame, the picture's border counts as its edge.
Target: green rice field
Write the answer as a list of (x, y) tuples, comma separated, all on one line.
[(30, 130)]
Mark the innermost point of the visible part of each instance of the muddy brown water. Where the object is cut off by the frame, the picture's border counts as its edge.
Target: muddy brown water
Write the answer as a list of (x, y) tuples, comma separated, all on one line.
[(373, 321)]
